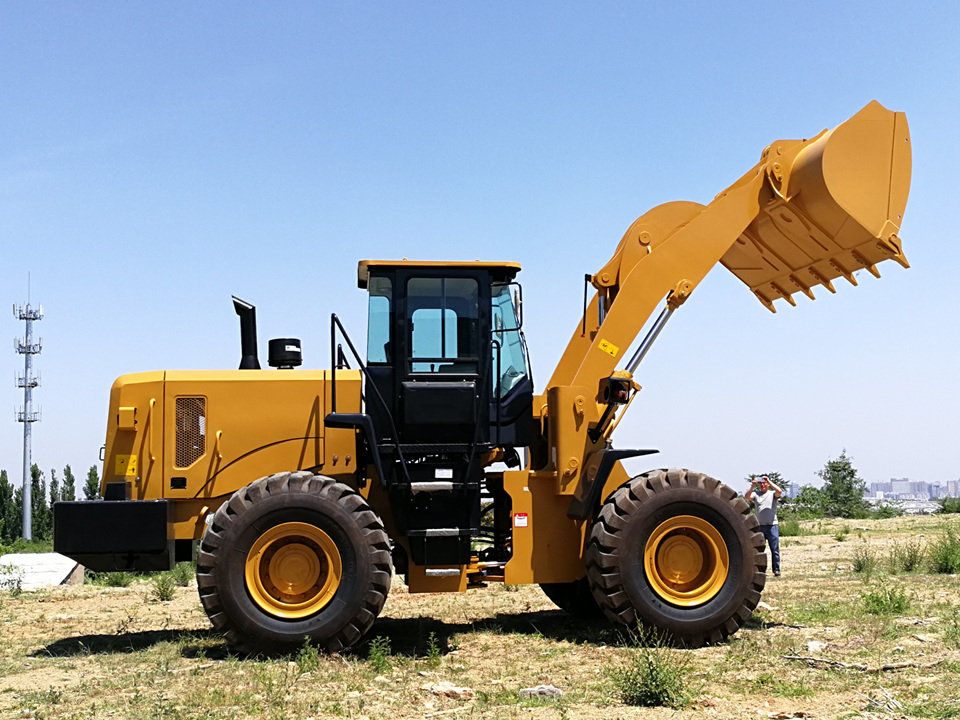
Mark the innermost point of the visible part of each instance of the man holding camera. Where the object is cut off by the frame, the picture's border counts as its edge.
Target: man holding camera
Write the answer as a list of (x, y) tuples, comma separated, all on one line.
[(764, 496)]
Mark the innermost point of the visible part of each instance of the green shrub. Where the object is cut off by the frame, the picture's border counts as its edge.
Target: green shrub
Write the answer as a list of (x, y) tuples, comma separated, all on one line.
[(888, 600), (884, 511), (790, 528), (907, 556), (654, 675), (164, 587), (949, 505), (945, 553), (864, 561), (842, 533)]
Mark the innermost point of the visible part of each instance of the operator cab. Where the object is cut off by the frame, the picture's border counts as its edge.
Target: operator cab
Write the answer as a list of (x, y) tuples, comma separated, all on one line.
[(447, 357)]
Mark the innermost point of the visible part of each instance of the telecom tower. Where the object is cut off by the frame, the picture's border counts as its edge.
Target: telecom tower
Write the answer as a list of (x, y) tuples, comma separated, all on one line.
[(28, 381)]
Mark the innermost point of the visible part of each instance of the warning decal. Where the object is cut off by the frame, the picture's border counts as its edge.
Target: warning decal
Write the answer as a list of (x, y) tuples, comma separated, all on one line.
[(609, 348)]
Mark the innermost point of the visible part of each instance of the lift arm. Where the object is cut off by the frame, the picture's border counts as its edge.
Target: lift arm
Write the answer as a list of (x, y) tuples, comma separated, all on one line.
[(809, 212)]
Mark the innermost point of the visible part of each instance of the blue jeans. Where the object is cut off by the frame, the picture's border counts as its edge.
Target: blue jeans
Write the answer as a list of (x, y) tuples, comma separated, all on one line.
[(772, 535)]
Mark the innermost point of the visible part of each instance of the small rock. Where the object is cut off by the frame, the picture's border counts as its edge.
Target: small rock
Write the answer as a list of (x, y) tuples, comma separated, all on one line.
[(824, 567), (861, 527), (545, 691), (816, 646), (762, 606), (841, 568), (380, 679)]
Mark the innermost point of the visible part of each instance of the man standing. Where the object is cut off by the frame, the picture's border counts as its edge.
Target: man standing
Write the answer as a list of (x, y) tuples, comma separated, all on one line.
[(764, 496)]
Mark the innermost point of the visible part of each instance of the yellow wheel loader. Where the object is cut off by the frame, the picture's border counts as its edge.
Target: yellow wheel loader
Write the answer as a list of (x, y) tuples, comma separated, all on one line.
[(434, 457)]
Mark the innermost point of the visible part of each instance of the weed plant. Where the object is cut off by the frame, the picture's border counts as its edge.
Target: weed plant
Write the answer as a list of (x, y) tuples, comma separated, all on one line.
[(842, 533), (654, 675), (164, 587), (114, 579), (183, 573), (13, 582), (308, 658), (771, 684), (378, 655), (434, 656), (864, 561), (945, 553), (885, 600), (907, 556)]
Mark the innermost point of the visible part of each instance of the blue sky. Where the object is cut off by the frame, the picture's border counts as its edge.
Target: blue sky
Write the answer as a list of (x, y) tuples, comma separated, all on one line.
[(157, 158)]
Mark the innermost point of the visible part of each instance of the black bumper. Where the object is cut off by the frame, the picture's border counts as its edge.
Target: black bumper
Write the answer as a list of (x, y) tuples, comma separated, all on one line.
[(116, 535)]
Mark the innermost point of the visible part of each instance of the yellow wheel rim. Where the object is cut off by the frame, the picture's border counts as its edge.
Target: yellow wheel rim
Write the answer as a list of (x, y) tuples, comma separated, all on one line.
[(293, 570), (686, 560)]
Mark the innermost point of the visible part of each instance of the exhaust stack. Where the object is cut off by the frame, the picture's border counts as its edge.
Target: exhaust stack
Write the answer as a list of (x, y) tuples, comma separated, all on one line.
[(248, 334)]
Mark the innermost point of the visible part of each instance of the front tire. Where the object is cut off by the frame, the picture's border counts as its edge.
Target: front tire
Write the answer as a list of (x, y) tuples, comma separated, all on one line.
[(293, 556), (677, 551)]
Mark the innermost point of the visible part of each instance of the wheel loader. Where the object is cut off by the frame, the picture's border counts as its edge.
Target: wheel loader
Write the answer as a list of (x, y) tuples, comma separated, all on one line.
[(433, 456)]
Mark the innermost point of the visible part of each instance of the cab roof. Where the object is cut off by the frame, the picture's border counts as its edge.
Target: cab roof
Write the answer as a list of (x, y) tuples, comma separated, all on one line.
[(501, 271)]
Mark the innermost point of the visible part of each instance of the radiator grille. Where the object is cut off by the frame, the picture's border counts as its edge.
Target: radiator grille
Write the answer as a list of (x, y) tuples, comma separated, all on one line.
[(191, 430)]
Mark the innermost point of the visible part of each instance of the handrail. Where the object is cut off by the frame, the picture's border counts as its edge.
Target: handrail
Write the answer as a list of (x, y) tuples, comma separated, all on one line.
[(334, 324)]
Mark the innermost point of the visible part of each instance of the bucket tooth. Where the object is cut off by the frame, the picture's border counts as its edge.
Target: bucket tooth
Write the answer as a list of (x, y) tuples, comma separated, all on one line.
[(784, 294), (766, 303), (891, 247), (805, 289), (844, 272), (822, 280), (870, 267)]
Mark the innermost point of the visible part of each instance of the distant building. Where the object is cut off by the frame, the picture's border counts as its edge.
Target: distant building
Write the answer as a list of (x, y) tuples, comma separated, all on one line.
[(915, 490)]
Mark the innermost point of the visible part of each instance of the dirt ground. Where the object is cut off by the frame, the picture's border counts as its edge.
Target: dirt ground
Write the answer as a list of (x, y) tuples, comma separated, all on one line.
[(813, 650)]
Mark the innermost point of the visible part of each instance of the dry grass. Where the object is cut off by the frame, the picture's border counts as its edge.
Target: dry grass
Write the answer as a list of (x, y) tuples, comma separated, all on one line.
[(93, 651)]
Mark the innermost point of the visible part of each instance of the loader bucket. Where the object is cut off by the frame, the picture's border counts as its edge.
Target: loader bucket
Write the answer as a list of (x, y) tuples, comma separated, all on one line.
[(832, 206)]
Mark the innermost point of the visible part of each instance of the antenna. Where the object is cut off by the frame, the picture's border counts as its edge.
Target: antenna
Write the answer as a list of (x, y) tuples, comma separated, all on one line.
[(28, 381)]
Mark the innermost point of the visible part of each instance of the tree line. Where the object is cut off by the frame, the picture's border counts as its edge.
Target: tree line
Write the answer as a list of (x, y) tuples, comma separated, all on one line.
[(42, 498)]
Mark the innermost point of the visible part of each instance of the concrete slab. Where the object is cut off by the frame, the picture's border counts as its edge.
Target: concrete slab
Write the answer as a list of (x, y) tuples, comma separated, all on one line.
[(32, 571)]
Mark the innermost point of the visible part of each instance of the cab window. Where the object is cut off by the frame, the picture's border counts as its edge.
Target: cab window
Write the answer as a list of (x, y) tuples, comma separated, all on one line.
[(509, 359), (443, 315)]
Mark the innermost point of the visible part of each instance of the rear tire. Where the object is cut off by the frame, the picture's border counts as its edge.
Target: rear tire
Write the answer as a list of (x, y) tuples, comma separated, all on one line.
[(290, 557), (677, 551)]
